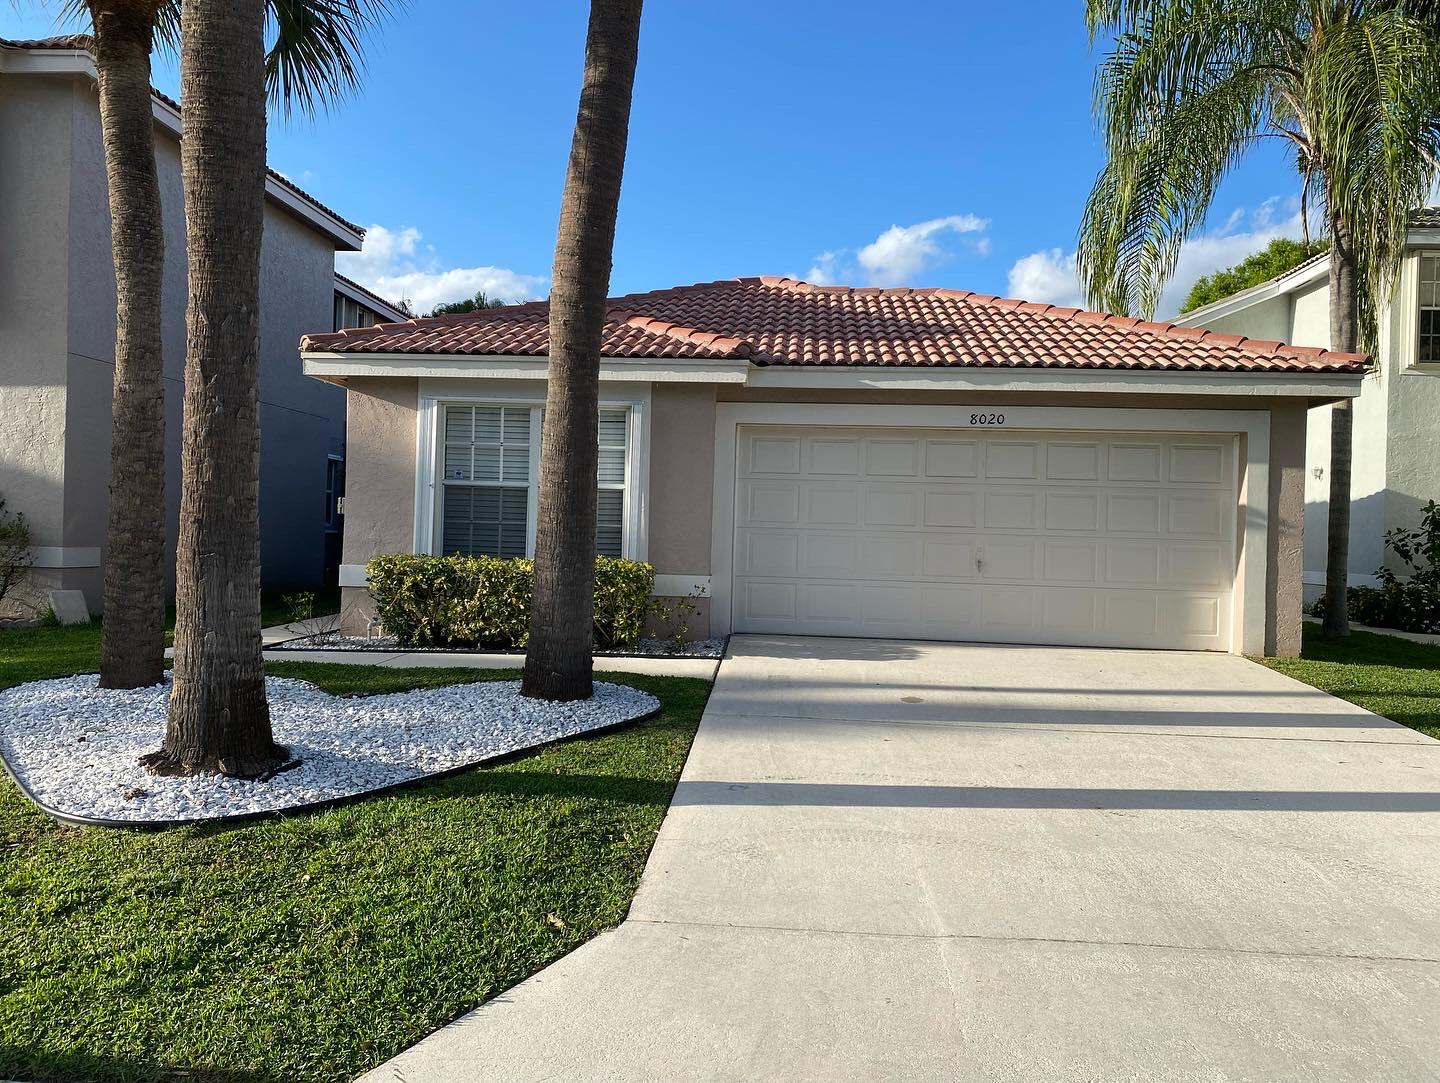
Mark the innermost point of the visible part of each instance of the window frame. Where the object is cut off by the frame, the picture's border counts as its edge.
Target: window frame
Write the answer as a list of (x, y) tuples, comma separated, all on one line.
[(1421, 255), (430, 454)]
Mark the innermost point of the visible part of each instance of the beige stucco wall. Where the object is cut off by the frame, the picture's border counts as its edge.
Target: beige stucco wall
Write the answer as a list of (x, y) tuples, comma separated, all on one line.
[(34, 167), (57, 333), (1284, 559), (682, 452), (380, 489)]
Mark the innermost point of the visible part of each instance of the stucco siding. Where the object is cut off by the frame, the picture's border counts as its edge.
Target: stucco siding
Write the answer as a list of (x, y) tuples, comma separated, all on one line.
[(380, 489), (35, 149), (1284, 561), (57, 311), (1268, 319), (380, 502), (682, 442)]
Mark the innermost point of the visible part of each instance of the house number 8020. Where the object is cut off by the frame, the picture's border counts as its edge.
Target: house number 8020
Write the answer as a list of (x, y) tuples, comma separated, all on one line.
[(987, 419)]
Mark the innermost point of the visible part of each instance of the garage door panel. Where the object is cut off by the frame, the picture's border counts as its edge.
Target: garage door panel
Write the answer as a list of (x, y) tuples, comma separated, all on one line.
[(774, 504), (1072, 511), (891, 507), (1072, 462), (1105, 540), (950, 508), (892, 458), (1190, 464), (949, 558), (1135, 462), (1133, 513), (1007, 459), (1011, 510), (835, 457), (952, 459), (829, 506)]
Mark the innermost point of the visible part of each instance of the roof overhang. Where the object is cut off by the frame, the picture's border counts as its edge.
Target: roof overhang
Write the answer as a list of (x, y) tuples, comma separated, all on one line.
[(371, 301), (337, 367), (1314, 386), (78, 62)]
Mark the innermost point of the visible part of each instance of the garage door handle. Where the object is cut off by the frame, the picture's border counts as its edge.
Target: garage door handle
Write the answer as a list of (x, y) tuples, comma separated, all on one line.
[(979, 558)]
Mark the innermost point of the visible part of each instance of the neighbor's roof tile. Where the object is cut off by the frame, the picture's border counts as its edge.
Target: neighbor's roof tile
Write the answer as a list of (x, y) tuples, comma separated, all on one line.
[(779, 321)]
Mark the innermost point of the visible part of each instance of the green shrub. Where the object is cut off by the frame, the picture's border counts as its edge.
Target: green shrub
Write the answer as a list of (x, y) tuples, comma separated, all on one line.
[(1411, 604), (1410, 607), (429, 601)]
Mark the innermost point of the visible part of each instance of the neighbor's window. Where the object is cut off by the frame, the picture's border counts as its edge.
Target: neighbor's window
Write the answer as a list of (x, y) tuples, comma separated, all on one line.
[(488, 479), (1428, 347)]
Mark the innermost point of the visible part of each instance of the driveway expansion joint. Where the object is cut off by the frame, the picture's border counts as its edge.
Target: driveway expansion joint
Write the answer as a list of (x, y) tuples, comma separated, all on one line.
[(1076, 942)]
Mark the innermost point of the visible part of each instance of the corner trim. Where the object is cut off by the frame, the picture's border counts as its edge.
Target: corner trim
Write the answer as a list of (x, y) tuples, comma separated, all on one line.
[(64, 556)]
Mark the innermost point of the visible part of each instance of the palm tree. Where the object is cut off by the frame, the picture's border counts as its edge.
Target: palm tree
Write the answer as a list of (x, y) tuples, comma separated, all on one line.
[(219, 718), (558, 658), (314, 58), (1350, 87)]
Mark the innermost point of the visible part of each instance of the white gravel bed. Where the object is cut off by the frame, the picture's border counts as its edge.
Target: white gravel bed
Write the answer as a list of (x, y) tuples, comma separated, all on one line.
[(332, 641), (76, 746)]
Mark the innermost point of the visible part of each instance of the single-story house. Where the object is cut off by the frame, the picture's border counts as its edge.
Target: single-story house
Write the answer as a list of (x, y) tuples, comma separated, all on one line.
[(900, 463), (1395, 461)]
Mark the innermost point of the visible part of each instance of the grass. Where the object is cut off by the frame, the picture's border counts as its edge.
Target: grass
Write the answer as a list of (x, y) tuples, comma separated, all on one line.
[(312, 948), (1385, 674)]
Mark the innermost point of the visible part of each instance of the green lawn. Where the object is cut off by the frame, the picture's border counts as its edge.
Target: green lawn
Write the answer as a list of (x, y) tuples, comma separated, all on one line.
[(1385, 674), (315, 947)]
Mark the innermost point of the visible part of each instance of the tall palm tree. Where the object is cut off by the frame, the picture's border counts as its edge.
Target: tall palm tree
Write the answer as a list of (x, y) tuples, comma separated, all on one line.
[(219, 718), (1350, 87), (314, 58), (558, 659)]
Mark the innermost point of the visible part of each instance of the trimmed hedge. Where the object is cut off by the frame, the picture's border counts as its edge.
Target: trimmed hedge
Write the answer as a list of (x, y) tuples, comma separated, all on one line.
[(1408, 606), (464, 602)]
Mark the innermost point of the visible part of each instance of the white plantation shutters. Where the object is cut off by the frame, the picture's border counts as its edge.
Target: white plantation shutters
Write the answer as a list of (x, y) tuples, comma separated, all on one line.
[(488, 469), (610, 478)]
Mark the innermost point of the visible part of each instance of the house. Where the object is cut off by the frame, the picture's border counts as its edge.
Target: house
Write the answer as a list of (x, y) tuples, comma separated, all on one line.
[(57, 331), (1396, 452), (902, 463)]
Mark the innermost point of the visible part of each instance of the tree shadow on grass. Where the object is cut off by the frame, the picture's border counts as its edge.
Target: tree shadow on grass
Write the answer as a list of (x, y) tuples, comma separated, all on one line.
[(31, 1062)]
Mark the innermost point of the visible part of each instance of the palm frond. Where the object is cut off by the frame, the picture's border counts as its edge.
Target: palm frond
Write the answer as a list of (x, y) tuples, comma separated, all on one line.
[(317, 51)]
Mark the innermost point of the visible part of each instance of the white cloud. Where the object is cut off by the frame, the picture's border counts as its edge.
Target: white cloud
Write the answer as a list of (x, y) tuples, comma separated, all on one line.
[(395, 264), (1049, 275), (900, 254)]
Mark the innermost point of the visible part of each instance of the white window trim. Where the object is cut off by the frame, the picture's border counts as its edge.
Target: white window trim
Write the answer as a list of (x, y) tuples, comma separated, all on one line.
[(635, 542), (1253, 491)]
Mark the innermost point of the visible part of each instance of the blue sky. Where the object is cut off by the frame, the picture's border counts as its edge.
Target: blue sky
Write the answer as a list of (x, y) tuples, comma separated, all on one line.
[(910, 143)]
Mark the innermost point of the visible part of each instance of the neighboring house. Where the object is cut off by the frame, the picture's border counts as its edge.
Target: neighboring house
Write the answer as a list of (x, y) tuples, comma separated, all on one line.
[(1396, 456), (57, 330), (894, 463)]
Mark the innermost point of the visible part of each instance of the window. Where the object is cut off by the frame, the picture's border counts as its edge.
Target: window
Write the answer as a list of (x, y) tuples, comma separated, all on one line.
[(489, 466), (1428, 319), (334, 490)]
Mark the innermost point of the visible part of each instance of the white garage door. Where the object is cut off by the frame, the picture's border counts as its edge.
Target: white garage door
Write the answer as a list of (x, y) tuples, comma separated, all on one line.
[(1010, 537)]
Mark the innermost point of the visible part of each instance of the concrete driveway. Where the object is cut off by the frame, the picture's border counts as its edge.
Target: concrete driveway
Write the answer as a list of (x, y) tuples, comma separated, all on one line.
[(926, 861)]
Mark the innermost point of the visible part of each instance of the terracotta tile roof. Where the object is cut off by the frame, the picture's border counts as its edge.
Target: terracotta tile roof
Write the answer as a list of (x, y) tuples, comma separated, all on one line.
[(780, 321), (82, 43), (367, 292)]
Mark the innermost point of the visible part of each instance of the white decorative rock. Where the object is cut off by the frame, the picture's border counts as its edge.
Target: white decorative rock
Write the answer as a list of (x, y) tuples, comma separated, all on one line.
[(76, 747)]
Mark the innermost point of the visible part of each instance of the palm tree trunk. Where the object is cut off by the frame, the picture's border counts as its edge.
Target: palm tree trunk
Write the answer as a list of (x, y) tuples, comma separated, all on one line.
[(219, 719), (558, 659), (132, 638), (1344, 334)]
